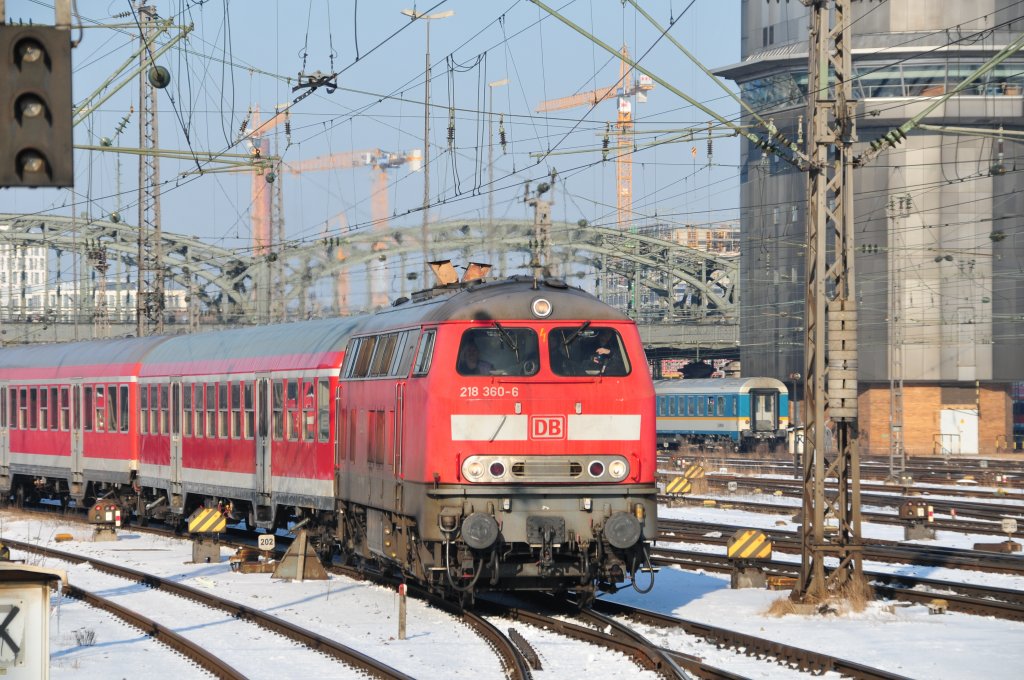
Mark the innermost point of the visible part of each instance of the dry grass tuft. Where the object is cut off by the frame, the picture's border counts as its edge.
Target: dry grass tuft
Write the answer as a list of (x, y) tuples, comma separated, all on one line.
[(783, 606)]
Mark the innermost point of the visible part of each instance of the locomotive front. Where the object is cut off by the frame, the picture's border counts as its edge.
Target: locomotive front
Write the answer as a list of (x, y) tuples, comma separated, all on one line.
[(540, 446)]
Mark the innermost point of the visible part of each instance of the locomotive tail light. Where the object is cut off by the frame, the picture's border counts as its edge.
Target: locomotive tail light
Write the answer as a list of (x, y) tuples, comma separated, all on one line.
[(596, 468), (497, 469), (541, 308), (618, 469)]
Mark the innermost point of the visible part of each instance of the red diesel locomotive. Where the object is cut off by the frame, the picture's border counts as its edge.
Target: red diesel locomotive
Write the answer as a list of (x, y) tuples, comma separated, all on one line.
[(489, 435)]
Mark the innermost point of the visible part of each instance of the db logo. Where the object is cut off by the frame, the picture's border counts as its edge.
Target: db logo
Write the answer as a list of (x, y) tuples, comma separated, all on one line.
[(547, 427)]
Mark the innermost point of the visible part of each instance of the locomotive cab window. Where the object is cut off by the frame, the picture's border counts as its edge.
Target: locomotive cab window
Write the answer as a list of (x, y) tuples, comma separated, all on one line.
[(424, 353), (498, 351), (587, 350)]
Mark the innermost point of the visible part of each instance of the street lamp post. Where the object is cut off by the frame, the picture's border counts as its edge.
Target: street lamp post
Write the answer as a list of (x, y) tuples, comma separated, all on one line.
[(414, 15), (490, 164)]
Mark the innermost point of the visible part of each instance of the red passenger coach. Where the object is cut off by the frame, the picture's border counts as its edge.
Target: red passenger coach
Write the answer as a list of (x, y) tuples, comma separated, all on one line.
[(487, 435)]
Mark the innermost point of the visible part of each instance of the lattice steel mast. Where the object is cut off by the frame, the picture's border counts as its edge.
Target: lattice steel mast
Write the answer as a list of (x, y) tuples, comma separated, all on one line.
[(149, 297), (830, 359)]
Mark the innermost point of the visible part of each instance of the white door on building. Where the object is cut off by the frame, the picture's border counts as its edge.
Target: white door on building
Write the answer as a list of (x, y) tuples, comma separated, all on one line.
[(959, 428)]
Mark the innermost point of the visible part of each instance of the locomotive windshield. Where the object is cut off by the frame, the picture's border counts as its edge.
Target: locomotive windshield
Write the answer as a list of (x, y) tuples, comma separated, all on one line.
[(498, 351), (587, 350)]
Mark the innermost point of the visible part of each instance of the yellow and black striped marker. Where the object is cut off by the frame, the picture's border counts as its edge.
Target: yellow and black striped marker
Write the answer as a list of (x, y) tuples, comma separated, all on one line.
[(207, 521), (679, 485), (694, 472), (749, 544)]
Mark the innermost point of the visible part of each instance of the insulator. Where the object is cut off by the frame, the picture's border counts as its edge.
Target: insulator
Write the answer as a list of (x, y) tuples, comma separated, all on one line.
[(451, 128), (245, 123), (501, 132), (604, 144)]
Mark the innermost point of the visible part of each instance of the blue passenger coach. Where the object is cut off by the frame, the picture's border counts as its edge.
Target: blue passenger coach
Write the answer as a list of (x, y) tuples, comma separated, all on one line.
[(742, 412)]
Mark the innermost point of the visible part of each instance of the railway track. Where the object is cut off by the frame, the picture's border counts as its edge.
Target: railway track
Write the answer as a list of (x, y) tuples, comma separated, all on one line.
[(878, 550), (981, 600), (198, 654), (309, 639)]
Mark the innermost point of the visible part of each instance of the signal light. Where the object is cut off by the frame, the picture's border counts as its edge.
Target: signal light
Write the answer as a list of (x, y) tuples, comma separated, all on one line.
[(35, 107)]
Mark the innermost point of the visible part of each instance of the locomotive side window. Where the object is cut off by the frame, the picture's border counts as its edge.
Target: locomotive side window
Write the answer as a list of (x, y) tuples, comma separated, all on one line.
[(186, 403), (404, 356), (424, 353), (498, 351), (384, 353), (364, 353), (87, 425), (278, 410), (249, 411), (323, 400), (587, 350)]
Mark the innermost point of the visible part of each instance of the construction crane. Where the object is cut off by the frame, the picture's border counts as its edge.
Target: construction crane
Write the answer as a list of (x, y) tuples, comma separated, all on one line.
[(624, 88), (379, 162)]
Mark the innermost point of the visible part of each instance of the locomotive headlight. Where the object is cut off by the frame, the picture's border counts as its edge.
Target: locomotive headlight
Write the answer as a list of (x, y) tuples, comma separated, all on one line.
[(474, 470), (617, 469), (541, 308)]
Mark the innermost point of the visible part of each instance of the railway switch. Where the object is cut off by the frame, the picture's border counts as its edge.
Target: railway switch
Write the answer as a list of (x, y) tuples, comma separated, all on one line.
[(919, 518)]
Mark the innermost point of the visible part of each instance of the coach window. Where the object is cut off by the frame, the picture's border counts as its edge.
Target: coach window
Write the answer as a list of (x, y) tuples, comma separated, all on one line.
[(123, 389), (661, 407), (112, 408), (291, 421), (165, 409), (711, 406), (721, 406), (323, 399), (309, 410), (65, 409), (44, 411), (32, 409), (200, 411), (13, 396), (143, 409), (186, 405), (424, 353), (3, 407), (222, 402), (278, 410), (250, 411), (87, 410), (54, 410), (211, 410), (236, 410), (154, 409)]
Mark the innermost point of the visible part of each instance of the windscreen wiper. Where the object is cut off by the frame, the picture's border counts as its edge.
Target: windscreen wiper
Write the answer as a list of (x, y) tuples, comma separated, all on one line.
[(507, 337), (575, 334)]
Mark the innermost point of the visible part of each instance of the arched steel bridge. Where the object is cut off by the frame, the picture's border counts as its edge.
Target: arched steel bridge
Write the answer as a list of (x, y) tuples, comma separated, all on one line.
[(677, 287)]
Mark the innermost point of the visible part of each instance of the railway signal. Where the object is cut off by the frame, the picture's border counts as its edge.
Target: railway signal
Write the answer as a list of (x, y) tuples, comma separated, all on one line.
[(35, 106)]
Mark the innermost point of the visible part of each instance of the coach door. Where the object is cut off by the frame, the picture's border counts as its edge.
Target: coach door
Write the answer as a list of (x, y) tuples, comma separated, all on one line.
[(764, 410), (77, 446), (263, 418), (175, 428), (398, 440), (5, 440), (340, 442)]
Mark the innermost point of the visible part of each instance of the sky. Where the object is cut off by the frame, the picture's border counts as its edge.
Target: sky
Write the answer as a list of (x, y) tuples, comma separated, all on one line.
[(246, 54), (85, 643)]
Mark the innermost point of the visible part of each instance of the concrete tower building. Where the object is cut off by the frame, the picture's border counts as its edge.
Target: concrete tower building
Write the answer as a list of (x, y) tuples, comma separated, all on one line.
[(939, 238)]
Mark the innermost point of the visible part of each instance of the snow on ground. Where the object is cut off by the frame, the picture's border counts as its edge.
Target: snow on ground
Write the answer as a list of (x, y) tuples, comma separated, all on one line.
[(901, 639), (358, 614)]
